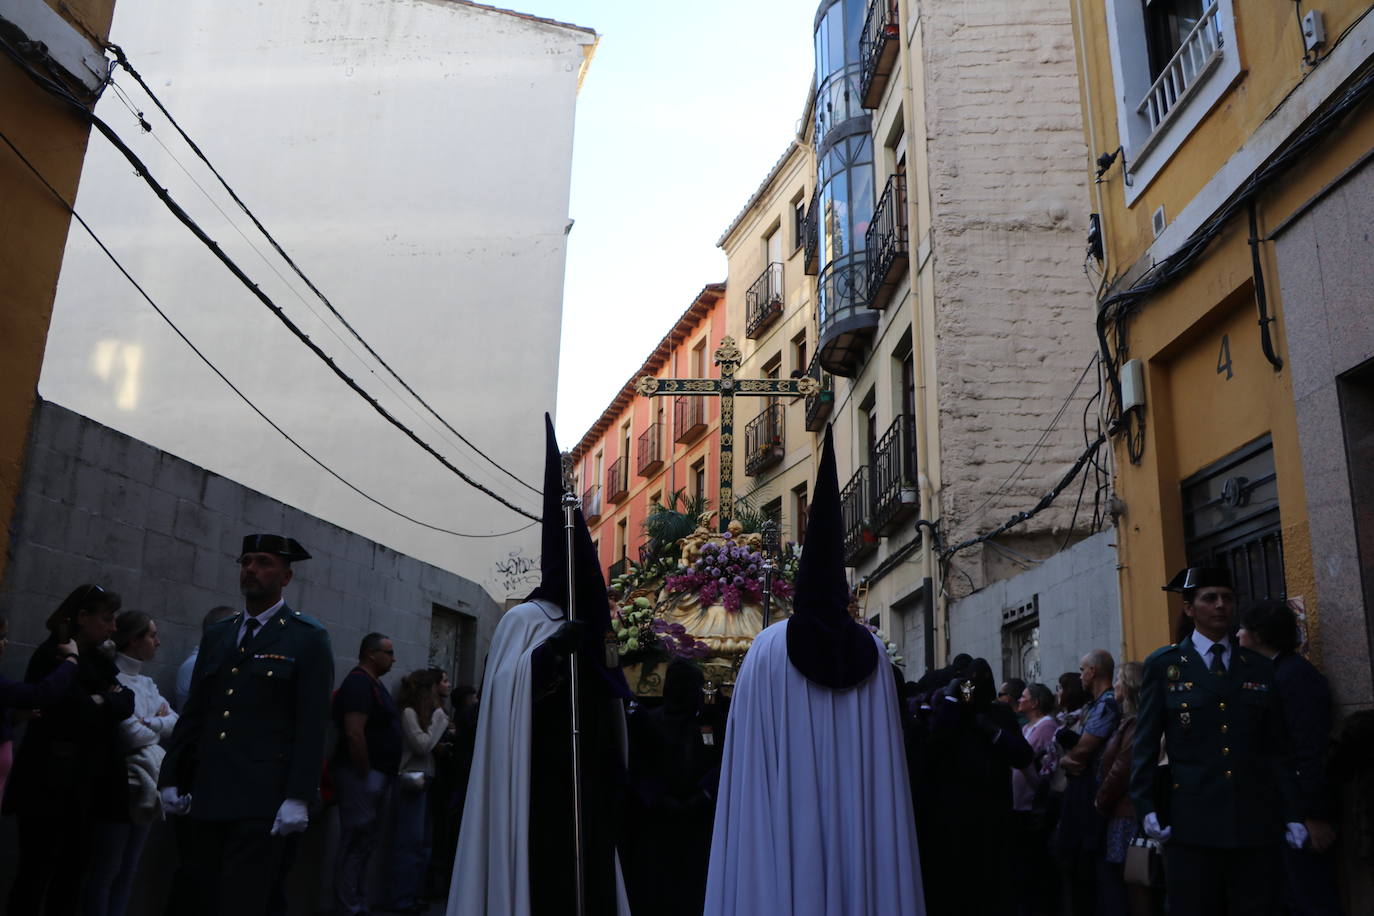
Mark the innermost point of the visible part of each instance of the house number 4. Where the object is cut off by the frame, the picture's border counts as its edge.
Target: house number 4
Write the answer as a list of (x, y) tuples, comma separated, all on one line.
[(1224, 357)]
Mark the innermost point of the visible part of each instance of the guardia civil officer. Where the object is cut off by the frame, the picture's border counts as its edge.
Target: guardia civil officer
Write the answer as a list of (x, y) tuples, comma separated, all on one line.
[(1229, 798), (244, 761)]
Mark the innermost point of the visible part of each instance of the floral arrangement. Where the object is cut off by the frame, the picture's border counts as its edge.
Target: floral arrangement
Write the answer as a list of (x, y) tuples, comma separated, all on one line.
[(641, 634), (729, 574), (889, 645)]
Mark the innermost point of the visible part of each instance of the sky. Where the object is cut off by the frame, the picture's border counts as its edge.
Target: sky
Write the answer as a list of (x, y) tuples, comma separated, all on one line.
[(684, 110)]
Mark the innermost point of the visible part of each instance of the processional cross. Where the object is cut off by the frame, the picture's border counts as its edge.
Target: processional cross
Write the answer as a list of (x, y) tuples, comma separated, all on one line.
[(728, 358)]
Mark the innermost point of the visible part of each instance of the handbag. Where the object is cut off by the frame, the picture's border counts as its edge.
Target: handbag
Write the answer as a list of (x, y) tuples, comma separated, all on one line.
[(413, 781), (1144, 865)]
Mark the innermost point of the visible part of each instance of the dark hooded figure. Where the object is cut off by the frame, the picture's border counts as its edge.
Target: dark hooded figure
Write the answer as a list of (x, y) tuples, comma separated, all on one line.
[(974, 744), (516, 849), (814, 815), (674, 769)]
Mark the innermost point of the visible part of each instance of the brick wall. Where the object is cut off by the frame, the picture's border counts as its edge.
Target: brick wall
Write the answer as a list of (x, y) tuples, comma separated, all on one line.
[(1009, 210)]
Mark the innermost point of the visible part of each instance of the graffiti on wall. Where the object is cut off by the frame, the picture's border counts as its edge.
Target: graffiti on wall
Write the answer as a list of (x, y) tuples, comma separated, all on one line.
[(515, 571)]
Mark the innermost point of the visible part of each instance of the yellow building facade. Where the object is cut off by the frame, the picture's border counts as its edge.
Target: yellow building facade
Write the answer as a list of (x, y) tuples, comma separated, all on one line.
[(1230, 141), (33, 225)]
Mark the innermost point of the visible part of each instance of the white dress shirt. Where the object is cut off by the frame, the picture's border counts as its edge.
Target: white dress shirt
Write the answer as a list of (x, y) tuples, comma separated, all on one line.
[(1204, 648), (260, 618)]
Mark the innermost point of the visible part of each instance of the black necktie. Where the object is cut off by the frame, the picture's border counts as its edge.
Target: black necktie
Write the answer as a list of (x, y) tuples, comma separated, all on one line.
[(1217, 651), (249, 628)]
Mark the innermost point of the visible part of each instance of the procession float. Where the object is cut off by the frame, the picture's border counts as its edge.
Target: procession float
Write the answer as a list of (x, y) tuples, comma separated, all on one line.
[(702, 594)]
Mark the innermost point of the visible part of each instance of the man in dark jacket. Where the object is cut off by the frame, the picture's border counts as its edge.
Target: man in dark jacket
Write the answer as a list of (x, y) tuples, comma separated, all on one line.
[(1271, 629), (1231, 796), (246, 754)]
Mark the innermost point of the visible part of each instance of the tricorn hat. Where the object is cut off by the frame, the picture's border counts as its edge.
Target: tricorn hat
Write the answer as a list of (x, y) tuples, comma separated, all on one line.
[(593, 605), (288, 549), (1199, 577), (824, 641)]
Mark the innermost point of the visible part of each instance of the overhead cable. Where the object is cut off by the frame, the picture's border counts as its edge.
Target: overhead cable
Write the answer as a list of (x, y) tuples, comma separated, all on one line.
[(213, 368), (170, 203)]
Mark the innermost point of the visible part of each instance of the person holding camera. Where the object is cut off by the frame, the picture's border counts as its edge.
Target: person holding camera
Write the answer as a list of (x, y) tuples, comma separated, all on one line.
[(69, 772)]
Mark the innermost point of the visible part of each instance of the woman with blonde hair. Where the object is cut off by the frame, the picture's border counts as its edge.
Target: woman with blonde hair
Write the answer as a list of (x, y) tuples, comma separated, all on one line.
[(1113, 799), (423, 723)]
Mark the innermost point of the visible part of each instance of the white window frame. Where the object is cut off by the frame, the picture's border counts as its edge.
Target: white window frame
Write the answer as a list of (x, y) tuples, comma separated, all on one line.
[(1148, 151)]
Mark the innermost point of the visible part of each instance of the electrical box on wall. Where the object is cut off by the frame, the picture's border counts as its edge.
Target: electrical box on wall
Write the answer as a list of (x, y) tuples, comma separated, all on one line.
[(1313, 30), (1132, 385)]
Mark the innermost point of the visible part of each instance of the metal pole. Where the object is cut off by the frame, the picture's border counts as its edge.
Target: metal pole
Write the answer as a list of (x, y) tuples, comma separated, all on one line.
[(569, 508)]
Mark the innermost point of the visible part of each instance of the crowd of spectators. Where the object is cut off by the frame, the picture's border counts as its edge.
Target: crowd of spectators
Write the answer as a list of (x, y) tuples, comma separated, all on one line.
[(83, 782)]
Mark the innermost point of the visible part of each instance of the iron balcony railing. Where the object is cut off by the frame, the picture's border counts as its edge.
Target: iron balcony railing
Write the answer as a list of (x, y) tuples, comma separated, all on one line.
[(1194, 59), (886, 243), (856, 513), (618, 480), (846, 323), (763, 301), (650, 451), (811, 228), (591, 503), (895, 494), (818, 405), (878, 50), (763, 440), (618, 568), (689, 417), (837, 100)]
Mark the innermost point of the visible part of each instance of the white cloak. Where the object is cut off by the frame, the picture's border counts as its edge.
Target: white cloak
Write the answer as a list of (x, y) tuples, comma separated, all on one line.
[(491, 870), (814, 814)]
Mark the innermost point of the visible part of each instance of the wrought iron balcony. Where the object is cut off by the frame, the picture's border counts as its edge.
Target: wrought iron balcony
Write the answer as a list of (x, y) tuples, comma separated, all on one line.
[(618, 480), (856, 511), (811, 229), (763, 301), (895, 494), (763, 440), (847, 325), (819, 405), (650, 451), (886, 241), (618, 568), (878, 51), (591, 503), (689, 417)]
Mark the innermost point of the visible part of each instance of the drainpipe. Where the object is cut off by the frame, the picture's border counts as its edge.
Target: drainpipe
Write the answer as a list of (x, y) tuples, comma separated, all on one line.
[(934, 606)]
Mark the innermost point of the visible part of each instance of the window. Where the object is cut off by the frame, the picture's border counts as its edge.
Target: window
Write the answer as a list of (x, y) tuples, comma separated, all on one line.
[(772, 246), (799, 363), (798, 220), (699, 477), (800, 507), (1172, 60), (1021, 641)]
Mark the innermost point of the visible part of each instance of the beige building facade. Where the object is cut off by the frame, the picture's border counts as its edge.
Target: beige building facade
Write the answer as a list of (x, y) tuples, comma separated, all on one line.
[(920, 250)]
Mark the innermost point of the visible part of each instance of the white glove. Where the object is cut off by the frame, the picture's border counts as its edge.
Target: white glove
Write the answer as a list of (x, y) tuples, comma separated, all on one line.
[(291, 818), (1154, 831), (1296, 835), (173, 802)]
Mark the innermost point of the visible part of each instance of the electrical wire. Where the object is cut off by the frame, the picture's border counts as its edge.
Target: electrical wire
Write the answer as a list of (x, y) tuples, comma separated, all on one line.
[(147, 128), (142, 171), (213, 368), (123, 61)]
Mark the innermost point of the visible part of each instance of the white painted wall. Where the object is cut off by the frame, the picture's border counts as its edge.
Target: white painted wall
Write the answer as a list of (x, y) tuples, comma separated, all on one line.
[(414, 157)]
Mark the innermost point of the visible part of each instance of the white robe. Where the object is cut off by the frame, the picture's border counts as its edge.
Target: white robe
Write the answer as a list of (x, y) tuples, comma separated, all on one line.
[(491, 870), (814, 815)]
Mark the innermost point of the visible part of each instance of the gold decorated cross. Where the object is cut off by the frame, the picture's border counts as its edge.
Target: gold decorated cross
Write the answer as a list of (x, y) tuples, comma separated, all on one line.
[(728, 358)]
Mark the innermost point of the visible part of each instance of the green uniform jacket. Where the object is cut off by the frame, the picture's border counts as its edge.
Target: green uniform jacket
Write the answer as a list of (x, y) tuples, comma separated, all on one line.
[(1230, 783), (253, 731)]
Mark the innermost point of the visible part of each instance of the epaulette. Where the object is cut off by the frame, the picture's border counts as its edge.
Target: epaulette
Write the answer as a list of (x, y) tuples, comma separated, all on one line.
[(297, 617)]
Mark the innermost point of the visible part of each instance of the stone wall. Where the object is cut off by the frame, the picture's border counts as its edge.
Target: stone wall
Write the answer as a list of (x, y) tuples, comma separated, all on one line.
[(1014, 310), (98, 506)]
